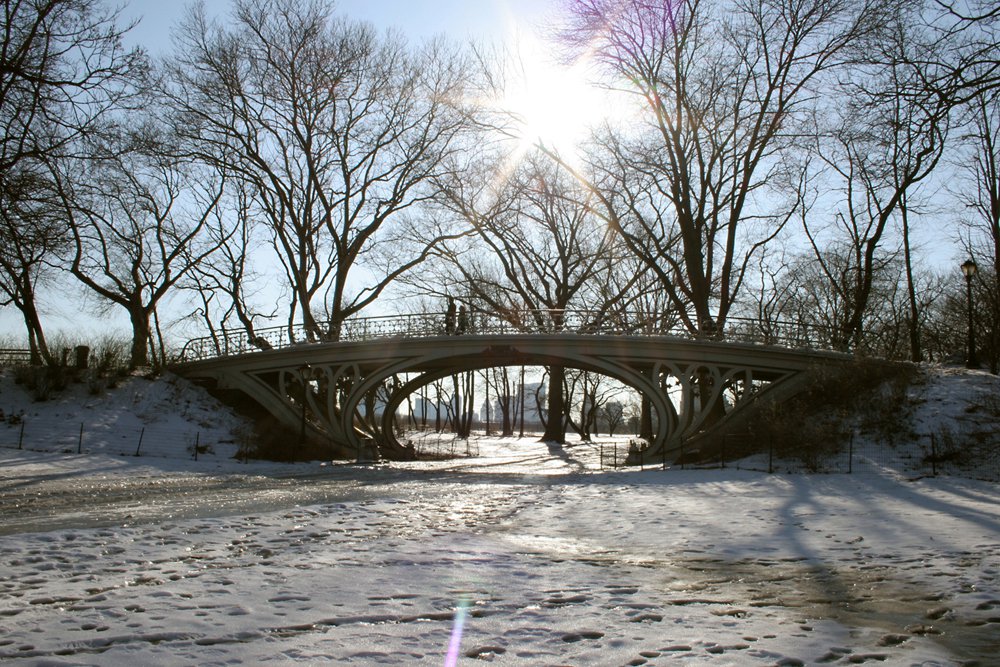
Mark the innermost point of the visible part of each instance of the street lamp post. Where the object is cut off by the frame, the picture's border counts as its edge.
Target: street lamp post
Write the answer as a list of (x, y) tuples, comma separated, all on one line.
[(305, 372), (969, 271)]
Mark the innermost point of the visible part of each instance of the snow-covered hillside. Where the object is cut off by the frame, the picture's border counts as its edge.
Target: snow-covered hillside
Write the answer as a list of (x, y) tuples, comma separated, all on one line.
[(162, 417)]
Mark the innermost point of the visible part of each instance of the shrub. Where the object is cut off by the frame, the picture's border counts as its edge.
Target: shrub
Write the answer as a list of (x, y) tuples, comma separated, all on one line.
[(815, 424), (272, 441), (43, 381)]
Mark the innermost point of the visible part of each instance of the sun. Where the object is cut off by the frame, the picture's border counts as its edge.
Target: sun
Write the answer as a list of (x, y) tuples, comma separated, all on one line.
[(551, 104)]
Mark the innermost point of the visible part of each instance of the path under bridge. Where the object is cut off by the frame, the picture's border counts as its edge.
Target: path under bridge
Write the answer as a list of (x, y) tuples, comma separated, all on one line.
[(324, 386)]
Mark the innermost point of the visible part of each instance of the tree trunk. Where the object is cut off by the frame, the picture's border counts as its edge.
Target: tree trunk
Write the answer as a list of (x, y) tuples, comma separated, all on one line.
[(470, 400), (521, 397), (646, 419), (555, 425), (437, 407), (423, 407), (139, 354), (715, 408), (916, 354), (486, 375), (36, 337), (456, 402)]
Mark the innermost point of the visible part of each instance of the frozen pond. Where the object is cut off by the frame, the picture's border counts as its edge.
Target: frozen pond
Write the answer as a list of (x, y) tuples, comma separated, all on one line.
[(530, 557)]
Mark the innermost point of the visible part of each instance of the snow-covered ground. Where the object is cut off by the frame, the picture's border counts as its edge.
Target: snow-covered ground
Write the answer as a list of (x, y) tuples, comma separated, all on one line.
[(527, 554)]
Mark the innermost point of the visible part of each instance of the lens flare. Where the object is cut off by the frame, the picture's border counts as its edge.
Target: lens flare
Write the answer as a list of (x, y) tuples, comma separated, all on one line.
[(456, 634)]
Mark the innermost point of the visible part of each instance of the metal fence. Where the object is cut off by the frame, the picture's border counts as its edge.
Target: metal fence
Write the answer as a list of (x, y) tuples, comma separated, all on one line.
[(927, 457), (444, 447), (81, 438)]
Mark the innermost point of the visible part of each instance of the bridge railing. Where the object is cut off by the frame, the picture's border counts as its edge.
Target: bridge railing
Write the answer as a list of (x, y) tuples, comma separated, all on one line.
[(14, 357), (421, 325)]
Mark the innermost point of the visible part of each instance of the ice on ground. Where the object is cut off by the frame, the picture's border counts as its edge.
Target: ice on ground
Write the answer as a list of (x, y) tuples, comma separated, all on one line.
[(160, 561), (683, 567)]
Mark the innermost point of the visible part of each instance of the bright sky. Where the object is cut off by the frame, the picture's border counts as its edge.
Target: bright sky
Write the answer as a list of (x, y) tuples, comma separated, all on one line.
[(459, 19), (555, 103)]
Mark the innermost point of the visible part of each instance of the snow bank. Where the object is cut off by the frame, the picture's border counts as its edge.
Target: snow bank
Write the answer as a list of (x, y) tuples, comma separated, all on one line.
[(165, 417)]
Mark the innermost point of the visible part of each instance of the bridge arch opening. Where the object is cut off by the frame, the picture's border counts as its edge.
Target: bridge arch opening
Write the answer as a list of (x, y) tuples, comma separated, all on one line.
[(497, 398)]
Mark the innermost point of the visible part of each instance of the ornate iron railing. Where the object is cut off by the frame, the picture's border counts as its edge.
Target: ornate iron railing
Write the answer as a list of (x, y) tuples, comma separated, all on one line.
[(421, 325)]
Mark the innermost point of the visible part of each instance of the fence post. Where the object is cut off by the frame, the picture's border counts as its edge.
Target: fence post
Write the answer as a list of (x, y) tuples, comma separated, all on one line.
[(933, 456), (139, 446), (770, 455), (79, 442), (614, 461), (20, 437), (850, 454), (197, 441)]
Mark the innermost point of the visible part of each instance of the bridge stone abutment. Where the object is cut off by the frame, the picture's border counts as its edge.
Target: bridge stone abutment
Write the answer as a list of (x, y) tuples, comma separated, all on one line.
[(329, 388)]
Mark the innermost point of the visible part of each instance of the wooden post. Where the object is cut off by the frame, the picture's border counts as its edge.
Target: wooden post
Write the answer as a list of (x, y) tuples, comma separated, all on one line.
[(142, 432), (20, 437), (933, 456), (197, 441), (79, 442)]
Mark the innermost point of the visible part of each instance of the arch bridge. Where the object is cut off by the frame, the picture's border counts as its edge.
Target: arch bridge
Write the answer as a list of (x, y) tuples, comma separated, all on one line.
[(328, 387)]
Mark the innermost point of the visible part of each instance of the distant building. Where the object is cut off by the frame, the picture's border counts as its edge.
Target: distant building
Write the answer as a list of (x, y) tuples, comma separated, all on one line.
[(534, 394)]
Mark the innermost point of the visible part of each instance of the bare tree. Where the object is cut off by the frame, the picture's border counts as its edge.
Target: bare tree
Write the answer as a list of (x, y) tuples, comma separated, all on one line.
[(984, 169), (614, 415), (889, 138), (960, 55), (723, 87), (501, 406), (137, 219), (30, 235), (591, 393), (537, 247), (337, 131), (225, 283), (62, 70), (982, 199)]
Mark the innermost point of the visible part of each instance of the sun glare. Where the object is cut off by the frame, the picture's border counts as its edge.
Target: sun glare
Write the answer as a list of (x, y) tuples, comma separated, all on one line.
[(553, 104)]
